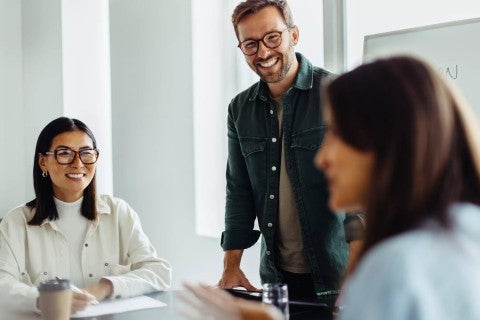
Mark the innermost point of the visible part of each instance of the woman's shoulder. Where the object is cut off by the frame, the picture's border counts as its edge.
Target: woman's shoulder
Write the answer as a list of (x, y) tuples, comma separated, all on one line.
[(426, 266), (413, 257), (405, 251), (17, 217), (430, 238), (109, 200), (20, 213), (108, 204), (386, 272)]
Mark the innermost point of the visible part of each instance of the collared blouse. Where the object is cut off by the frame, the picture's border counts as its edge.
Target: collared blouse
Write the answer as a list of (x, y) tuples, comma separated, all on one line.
[(115, 248)]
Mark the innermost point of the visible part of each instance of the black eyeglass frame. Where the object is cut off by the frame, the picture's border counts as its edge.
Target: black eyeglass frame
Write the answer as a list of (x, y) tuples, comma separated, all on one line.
[(279, 33), (78, 153)]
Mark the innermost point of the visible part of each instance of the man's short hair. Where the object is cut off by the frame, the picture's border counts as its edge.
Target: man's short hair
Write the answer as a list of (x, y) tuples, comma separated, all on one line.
[(248, 7)]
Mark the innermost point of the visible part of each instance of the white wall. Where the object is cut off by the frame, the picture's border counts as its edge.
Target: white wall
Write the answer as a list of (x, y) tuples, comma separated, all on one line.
[(86, 76), (12, 169), (152, 121), (307, 15), (210, 100), (42, 70), (30, 89)]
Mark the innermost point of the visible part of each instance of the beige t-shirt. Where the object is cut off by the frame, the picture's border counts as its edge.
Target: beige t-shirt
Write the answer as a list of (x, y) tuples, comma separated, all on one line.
[(289, 236)]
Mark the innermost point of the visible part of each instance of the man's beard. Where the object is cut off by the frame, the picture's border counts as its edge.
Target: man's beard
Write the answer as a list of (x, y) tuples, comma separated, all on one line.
[(283, 65)]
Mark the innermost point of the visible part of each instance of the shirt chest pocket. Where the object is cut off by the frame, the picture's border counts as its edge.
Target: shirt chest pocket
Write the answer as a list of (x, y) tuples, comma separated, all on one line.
[(252, 146), (305, 146), (255, 158), (308, 140)]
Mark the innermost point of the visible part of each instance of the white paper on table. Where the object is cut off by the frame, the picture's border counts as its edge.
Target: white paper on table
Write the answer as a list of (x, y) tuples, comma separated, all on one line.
[(118, 306)]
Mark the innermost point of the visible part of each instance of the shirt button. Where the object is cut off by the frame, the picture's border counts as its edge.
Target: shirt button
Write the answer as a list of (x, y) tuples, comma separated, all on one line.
[(274, 168), (118, 296), (271, 111), (45, 273), (106, 264), (274, 140), (86, 244), (268, 252), (90, 275), (272, 196), (269, 224)]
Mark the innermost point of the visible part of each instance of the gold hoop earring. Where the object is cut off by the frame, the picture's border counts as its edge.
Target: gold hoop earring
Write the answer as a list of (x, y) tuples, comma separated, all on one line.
[(44, 174)]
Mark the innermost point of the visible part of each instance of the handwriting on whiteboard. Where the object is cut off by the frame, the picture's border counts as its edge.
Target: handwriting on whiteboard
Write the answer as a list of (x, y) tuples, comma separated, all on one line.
[(451, 72)]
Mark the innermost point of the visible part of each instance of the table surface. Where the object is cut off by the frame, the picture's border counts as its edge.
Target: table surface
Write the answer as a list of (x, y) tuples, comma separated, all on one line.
[(171, 311)]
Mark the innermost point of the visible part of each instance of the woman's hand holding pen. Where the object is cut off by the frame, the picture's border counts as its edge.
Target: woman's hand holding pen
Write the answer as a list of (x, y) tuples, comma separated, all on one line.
[(81, 299), (90, 295), (102, 290)]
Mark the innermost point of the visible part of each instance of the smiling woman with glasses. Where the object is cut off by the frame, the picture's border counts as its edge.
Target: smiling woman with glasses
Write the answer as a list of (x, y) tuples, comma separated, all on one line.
[(70, 232)]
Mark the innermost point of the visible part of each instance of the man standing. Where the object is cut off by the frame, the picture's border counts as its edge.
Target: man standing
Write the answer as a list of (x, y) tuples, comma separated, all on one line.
[(274, 130)]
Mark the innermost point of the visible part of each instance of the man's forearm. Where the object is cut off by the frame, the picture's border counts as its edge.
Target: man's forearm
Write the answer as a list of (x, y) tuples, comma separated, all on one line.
[(232, 258)]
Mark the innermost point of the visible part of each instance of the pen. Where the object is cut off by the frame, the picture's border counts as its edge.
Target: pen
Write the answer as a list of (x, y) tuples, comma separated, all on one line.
[(77, 289)]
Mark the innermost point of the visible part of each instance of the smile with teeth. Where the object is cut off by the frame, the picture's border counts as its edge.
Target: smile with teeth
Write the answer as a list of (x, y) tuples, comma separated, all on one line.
[(268, 63), (75, 175)]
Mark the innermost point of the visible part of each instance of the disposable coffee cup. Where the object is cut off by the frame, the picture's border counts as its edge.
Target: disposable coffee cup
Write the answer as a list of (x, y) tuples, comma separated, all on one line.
[(55, 299), (276, 294)]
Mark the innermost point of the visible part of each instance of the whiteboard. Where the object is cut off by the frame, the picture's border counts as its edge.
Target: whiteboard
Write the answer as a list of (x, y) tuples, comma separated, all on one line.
[(453, 47)]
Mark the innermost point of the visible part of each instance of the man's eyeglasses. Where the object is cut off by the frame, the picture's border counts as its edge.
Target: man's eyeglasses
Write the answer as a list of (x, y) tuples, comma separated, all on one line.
[(270, 40), (67, 155)]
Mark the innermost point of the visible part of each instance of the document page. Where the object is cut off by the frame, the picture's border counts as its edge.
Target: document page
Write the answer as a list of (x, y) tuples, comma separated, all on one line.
[(118, 306)]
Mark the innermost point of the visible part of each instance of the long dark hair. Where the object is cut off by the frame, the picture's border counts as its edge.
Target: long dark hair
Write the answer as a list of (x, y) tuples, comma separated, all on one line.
[(421, 132), (43, 203)]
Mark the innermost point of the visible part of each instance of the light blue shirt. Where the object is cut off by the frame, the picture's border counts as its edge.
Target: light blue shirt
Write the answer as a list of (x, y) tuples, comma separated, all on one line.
[(430, 273)]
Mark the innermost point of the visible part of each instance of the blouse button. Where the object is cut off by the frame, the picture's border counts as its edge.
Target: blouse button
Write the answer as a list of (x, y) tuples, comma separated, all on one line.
[(274, 168), (106, 264), (274, 140), (90, 275), (272, 197), (271, 111), (269, 224), (86, 244)]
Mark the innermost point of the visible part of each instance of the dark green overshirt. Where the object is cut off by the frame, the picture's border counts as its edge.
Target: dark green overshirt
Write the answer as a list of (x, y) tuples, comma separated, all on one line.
[(253, 187)]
